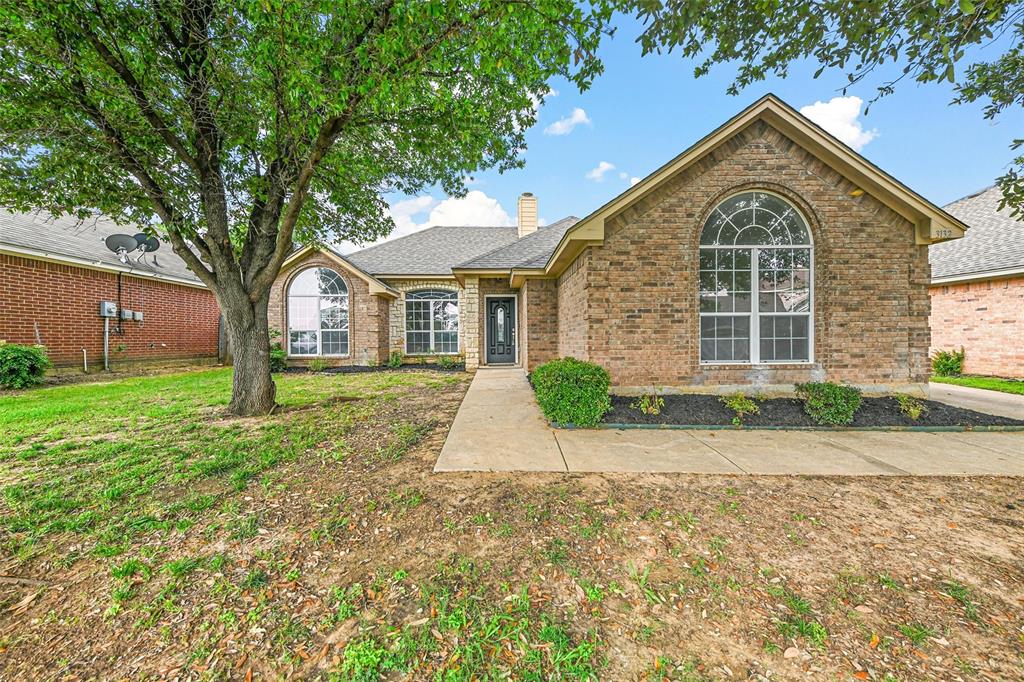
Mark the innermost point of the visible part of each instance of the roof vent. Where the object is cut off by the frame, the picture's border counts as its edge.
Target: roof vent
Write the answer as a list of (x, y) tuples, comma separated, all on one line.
[(527, 214)]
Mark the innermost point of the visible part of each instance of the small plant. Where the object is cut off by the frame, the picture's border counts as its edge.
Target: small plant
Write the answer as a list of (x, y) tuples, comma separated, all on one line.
[(22, 366), (910, 406), (317, 365), (649, 404), (572, 392), (278, 358), (916, 632), (948, 363), (828, 403), (447, 361), (741, 405), (395, 359)]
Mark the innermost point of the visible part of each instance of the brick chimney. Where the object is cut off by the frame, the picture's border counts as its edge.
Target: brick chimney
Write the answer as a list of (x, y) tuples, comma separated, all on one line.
[(527, 214)]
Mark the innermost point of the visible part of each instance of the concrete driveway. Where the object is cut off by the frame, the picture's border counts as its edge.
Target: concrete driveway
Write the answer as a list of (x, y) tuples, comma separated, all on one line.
[(980, 400), (499, 427)]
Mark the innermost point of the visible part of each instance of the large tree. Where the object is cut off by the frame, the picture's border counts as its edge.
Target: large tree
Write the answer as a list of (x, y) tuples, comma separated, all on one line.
[(238, 128), (925, 41)]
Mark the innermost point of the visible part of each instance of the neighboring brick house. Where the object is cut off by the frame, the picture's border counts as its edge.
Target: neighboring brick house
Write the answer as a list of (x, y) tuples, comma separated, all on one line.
[(55, 273), (766, 254), (978, 288)]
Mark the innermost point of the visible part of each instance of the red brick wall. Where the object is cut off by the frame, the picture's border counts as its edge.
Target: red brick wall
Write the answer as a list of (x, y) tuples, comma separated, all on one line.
[(636, 313), (539, 330), (368, 314), (987, 319), (179, 322)]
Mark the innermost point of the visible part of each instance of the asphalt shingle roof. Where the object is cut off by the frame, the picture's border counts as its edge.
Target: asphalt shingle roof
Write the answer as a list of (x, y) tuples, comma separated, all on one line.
[(532, 251), (994, 240), (433, 251), (68, 238)]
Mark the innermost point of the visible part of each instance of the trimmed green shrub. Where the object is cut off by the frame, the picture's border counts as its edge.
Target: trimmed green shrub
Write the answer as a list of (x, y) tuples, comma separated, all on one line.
[(572, 392), (395, 359), (829, 403), (22, 366), (948, 363), (317, 365)]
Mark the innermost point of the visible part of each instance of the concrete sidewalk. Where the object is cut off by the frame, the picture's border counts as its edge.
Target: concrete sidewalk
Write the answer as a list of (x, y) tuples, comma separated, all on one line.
[(499, 427), (980, 400)]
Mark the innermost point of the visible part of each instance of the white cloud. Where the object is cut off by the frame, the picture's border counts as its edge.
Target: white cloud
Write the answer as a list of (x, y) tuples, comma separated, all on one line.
[(411, 215), (597, 174), (623, 175), (633, 180), (564, 126), (839, 116)]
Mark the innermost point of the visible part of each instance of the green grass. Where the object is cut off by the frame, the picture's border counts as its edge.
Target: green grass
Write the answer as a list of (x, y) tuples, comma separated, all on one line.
[(114, 460), (987, 383)]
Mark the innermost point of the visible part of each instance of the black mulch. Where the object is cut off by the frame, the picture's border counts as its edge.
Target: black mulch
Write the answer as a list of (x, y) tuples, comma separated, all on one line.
[(363, 369), (708, 410)]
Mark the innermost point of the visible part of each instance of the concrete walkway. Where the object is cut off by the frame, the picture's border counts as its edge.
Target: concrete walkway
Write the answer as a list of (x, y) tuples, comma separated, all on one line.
[(499, 427), (980, 400)]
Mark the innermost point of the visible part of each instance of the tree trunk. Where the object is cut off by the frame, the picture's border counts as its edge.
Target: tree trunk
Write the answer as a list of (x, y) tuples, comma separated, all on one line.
[(253, 390)]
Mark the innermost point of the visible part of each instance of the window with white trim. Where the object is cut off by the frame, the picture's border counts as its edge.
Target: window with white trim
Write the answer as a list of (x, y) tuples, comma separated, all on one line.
[(318, 314), (431, 322), (755, 284)]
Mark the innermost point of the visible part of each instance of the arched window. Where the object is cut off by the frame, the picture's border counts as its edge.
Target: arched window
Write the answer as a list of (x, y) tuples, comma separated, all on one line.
[(318, 313), (431, 321), (755, 282)]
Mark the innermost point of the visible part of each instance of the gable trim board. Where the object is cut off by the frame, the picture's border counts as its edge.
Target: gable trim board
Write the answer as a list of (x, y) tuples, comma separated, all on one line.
[(933, 224)]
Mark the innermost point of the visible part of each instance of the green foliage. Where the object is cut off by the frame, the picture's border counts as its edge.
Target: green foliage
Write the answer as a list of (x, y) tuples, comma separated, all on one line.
[(317, 365), (572, 392), (395, 359), (649, 404), (828, 403), (923, 42), (447, 361), (910, 406), (1015, 386), (22, 366), (741, 405), (949, 363), (278, 358)]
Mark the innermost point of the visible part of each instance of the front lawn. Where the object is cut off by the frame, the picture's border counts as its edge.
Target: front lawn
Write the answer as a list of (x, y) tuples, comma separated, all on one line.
[(146, 535), (988, 383)]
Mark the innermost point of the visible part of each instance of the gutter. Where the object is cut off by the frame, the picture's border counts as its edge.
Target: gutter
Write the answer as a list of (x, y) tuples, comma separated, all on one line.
[(975, 276), (61, 259)]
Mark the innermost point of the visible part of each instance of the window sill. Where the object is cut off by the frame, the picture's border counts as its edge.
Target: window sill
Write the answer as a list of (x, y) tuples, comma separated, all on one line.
[(761, 365), (428, 355)]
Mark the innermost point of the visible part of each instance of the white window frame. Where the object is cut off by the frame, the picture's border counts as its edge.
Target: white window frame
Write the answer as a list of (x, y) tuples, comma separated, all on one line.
[(431, 301), (754, 314), (320, 330)]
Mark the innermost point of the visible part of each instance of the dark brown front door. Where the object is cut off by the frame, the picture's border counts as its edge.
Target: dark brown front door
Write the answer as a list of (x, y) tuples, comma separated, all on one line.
[(501, 330)]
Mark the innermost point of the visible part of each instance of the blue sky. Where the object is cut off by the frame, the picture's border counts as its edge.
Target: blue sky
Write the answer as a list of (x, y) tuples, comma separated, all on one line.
[(644, 110)]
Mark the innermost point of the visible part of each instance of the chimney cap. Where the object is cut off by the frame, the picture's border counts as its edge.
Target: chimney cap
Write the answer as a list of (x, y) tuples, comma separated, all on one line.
[(527, 194)]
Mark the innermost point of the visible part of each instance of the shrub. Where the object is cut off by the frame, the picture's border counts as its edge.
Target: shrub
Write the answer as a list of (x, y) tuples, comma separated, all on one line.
[(317, 365), (948, 363), (572, 392), (447, 361), (278, 358), (829, 403), (395, 359), (741, 405), (22, 366), (910, 406), (649, 404)]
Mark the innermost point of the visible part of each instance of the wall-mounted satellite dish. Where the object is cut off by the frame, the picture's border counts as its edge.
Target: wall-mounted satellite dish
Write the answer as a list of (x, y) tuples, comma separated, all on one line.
[(122, 245)]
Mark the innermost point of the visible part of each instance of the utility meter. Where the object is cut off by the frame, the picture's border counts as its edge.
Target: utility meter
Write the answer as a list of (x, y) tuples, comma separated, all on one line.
[(108, 309)]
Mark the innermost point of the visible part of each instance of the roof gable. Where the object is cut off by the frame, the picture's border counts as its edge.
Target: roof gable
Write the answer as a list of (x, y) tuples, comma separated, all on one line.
[(531, 251), (932, 223), (375, 285)]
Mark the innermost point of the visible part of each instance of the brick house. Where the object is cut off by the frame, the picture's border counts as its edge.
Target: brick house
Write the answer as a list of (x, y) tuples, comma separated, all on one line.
[(768, 253), (978, 288), (55, 273)]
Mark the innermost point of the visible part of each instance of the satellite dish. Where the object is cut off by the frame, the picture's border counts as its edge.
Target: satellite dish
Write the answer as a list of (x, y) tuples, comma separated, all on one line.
[(121, 242), (149, 245)]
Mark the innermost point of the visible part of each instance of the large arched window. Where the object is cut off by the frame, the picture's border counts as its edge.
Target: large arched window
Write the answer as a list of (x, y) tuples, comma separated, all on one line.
[(318, 313), (755, 282), (431, 321)]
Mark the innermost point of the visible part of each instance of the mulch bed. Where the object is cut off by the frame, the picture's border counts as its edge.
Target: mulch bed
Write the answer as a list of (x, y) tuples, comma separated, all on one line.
[(708, 410), (365, 369)]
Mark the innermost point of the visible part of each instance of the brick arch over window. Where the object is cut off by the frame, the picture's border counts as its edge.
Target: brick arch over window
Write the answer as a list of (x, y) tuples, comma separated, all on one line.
[(317, 313), (755, 284)]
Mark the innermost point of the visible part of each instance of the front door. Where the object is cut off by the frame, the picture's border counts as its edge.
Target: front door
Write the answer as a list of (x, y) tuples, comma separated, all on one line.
[(501, 330)]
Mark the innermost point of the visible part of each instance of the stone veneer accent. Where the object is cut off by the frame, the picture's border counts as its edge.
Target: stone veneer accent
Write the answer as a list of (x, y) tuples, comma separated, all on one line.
[(630, 304), (469, 322), (396, 316), (368, 314), (985, 318)]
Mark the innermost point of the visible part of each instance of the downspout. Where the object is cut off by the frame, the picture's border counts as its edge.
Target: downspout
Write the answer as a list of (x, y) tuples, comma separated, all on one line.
[(85, 362)]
